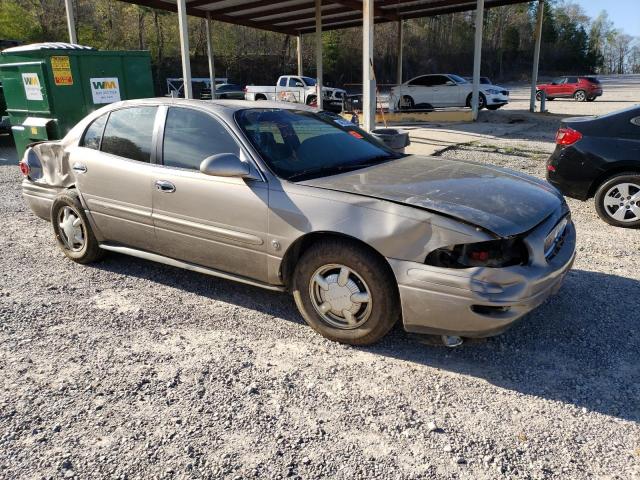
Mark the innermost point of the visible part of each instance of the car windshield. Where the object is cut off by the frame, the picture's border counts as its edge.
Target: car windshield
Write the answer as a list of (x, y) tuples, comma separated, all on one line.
[(457, 79), (300, 145), (309, 81)]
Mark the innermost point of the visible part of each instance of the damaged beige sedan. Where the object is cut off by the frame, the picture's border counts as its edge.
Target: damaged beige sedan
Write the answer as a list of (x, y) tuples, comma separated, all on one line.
[(291, 200)]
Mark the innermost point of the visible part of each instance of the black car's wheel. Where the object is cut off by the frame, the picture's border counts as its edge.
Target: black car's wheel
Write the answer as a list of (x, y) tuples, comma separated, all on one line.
[(72, 230), (346, 292), (580, 96), (618, 200), (482, 101), (406, 103)]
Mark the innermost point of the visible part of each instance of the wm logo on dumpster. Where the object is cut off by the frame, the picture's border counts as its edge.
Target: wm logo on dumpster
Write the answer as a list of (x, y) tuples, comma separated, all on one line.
[(109, 84), (105, 90)]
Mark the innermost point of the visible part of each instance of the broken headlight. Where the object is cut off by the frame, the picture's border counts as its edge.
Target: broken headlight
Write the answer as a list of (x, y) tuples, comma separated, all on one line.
[(493, 254)]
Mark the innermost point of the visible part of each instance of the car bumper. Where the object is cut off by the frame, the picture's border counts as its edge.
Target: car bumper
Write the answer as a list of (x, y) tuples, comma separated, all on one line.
[(480, 302), (595, 93), (497, 99)]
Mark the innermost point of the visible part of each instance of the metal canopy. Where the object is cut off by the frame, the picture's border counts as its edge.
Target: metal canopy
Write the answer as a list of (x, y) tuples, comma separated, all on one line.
[(295, 17)]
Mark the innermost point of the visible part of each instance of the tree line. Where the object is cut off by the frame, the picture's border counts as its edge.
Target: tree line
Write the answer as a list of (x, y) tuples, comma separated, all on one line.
[(572, 42)]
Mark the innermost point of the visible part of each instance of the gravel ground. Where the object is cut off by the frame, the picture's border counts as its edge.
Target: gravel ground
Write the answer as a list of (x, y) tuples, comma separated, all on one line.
[(129, 369)]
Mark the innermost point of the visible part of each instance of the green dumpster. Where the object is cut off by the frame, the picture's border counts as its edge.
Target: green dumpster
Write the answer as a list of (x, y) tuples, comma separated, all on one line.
[(49, 87)]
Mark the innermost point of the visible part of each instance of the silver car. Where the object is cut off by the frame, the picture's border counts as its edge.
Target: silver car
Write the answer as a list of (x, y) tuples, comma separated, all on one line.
[(285, 199)]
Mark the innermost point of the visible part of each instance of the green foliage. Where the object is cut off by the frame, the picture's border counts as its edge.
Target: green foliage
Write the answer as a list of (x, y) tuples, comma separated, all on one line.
[(17, 22)]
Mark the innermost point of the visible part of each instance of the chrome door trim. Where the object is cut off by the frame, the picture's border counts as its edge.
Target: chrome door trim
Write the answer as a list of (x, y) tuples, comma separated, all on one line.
[(236, 235), (154, 257)]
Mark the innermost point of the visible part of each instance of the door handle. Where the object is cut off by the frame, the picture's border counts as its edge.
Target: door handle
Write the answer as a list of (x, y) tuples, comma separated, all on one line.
[(79, 167), (165, 187)]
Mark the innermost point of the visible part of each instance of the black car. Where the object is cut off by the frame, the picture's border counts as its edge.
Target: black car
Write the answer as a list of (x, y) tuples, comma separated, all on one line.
[(600, 157)]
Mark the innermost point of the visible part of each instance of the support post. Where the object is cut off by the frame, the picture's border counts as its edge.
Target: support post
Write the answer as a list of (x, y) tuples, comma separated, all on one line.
[(299, 53), (183, 25), (212, 68), (399, 53), (71, 23), (368, 77), (536, 57), (477, 58), (319, 53)]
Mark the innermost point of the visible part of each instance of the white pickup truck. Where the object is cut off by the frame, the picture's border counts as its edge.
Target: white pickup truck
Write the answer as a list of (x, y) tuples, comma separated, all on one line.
[(296, 89)]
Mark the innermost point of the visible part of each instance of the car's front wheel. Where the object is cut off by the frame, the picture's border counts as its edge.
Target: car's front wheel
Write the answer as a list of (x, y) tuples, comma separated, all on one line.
[(346, 292), (72, 230), (482, 101), (618, 200)]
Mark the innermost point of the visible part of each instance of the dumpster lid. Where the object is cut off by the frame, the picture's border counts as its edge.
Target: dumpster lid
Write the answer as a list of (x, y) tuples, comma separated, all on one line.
[(36, 122), (47, 46)]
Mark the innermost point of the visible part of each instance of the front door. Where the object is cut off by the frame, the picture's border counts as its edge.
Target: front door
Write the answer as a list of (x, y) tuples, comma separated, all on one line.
[(113, 175), (217, 222)]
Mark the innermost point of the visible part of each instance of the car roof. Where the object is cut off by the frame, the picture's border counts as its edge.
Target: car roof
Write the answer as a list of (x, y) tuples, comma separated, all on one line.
[(215, 105)]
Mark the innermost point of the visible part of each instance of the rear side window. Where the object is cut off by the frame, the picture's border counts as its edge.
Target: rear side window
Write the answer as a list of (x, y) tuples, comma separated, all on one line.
[(191, 136), (129, 132), (425, 81), (592, 80), (93, 134)]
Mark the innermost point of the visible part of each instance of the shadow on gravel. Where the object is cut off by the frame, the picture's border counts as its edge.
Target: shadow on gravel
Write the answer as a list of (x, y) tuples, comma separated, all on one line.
[(581, 347)]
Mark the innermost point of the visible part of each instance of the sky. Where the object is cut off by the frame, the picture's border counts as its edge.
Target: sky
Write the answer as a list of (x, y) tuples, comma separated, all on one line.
[(625, 14)]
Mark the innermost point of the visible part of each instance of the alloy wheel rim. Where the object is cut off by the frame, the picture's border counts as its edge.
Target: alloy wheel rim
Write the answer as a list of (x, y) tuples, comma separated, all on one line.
[(580, 96), (71, 229), (622, 202), (340, 296)]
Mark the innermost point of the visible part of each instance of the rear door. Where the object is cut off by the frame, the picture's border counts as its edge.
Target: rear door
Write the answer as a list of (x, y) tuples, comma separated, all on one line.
[(571, 85), (113, 167), (217, 222)]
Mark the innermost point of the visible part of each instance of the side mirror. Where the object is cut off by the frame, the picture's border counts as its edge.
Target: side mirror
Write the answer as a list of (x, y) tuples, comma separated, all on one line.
[(225, 165), (450, 83)]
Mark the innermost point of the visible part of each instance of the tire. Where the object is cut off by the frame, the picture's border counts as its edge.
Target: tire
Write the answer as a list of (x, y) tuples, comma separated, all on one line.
[(618, 200), (368, 275), (311, 99), (482, 103), (580, 96), (406, 103), (260, 97), (539, 95), (68, 218), (591, 99)]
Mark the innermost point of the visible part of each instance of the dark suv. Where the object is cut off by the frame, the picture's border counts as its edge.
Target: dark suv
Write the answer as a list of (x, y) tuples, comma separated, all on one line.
[(581, 89)]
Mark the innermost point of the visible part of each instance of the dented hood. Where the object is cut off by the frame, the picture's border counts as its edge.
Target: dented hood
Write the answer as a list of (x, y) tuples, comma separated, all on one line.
[(499, 200)]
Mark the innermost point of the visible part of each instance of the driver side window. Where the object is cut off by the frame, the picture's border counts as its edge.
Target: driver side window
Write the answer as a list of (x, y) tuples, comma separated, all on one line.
[(190, 136)]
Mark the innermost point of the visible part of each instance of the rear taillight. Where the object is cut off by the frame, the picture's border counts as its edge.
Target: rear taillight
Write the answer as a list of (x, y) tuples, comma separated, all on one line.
[(567, 136), (24, 168)]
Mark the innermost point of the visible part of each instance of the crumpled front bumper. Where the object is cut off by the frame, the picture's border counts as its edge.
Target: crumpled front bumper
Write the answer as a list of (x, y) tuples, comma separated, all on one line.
[(481, 302)]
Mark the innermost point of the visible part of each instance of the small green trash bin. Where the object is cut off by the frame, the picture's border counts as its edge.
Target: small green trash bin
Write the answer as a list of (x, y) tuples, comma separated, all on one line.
[(61, 83)]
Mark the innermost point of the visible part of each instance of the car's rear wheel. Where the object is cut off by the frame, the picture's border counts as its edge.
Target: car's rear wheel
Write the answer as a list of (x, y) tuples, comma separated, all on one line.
[(406, 103), (72, 229), (346, 293), (580, 96), (591, 99), (539, 95), (618, 200)]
